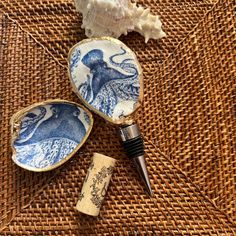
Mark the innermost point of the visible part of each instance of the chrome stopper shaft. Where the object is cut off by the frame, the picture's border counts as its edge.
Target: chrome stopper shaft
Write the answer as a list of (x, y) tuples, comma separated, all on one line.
[(134, 147)]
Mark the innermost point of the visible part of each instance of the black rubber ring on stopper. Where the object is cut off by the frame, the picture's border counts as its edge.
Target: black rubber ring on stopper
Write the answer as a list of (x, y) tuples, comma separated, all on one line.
[(134, 147)]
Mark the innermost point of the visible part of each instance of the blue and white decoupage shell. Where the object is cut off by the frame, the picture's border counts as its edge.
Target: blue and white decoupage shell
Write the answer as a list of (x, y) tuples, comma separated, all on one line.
[(107, 76), (47, 134)]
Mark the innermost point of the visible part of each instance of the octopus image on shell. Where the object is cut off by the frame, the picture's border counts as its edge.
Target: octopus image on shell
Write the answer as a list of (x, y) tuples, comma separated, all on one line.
[(48, 133), (106, 76)]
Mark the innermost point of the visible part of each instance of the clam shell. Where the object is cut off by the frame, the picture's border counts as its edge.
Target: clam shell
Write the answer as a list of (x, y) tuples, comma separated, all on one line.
[(45, 135), (107, 77)]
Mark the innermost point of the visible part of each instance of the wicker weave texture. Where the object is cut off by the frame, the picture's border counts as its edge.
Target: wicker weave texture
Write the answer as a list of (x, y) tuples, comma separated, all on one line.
[(177, 208), (189, 104), (22, 77), (56, 25), (187, 120)]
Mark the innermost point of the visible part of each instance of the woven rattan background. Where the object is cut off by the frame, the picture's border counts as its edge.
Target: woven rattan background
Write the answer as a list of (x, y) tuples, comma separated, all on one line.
[(187, 121)]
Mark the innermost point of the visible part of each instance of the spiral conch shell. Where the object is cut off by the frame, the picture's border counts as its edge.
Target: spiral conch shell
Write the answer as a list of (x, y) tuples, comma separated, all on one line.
[(116, 17)]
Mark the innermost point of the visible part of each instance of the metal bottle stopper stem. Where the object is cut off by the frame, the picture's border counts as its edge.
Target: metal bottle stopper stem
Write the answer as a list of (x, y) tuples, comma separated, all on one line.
[(134, 147)]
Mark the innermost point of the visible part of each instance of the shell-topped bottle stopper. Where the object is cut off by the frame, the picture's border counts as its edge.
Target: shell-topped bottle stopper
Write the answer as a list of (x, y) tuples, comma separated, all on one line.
[(107, 77), (116, 17)]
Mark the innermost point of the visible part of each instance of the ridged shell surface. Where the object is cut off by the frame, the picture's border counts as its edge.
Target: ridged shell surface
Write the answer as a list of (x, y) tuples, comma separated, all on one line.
[(116, 17)]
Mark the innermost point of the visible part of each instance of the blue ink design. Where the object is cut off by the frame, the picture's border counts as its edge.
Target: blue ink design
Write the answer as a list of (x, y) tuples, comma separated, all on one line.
[(87, 118), (49, 133), (75, 57), (109, 82)]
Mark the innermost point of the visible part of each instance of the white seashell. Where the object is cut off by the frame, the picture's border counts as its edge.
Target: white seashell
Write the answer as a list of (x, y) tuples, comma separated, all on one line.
[(116, 17)]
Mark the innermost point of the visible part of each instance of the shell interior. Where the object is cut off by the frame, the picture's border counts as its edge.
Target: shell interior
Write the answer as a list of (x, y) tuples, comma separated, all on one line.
[(107, 77), (46, 135)]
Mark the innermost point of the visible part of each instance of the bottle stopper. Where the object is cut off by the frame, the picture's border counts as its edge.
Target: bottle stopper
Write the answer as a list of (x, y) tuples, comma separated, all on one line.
[(95, 184), (107, 77)]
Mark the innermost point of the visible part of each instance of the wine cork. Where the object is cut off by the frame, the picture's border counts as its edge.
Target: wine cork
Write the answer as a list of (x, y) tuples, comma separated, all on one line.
[(95, 184)]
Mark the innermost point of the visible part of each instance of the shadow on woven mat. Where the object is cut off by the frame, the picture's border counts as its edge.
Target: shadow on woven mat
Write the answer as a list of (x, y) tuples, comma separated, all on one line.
[(188, 114)]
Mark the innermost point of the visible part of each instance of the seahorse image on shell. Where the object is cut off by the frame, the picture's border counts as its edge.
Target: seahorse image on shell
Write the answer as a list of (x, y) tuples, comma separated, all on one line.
[(106, 76)]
